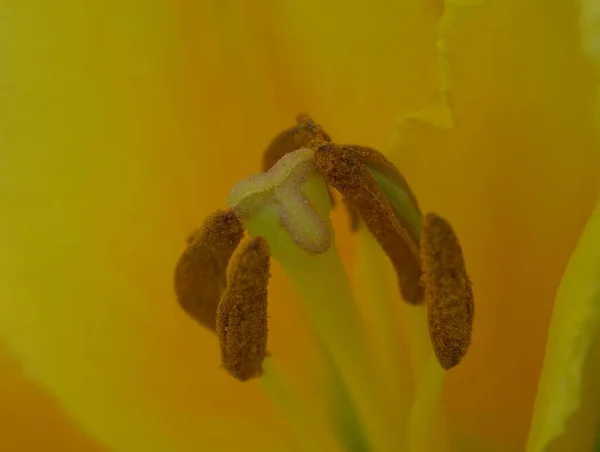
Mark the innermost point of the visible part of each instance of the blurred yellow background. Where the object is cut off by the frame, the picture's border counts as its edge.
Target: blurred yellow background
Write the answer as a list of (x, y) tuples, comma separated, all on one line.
[(124, 123)]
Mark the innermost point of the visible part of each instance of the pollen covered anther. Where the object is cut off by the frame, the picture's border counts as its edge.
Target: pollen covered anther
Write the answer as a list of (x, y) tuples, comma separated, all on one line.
[(293, 138), (377, 163), (448, 292), (342, 169), (200, 274), (242, 311)]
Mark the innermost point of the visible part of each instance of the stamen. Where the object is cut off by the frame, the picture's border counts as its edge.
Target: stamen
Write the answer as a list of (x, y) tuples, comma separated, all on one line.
[(293, 138), (331, 308), (200, 274), (242, 311), (342, 169), (283, 186), (448, 291), (394, 187), (376, 160)]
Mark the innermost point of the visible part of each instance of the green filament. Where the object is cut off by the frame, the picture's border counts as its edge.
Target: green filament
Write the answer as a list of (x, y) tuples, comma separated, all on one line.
[(345, 419), (307, 432), (382, 304), (426, 413), (423, 431), (322, 284)]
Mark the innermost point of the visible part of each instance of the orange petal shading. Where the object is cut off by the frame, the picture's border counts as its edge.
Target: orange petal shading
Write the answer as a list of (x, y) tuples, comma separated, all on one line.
[(31, 420), (125, 124)]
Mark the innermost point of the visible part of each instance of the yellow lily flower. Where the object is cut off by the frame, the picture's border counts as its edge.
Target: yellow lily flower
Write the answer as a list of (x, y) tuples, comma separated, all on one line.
[(125, 124)]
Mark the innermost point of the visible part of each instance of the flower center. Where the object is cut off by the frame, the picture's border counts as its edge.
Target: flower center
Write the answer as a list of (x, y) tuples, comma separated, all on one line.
[(222, 281)]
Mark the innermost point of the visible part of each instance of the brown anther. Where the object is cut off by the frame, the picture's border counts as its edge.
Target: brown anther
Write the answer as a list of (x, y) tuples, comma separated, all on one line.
[(293, 138), (448, 292), (342, 169), (242, 311), (200, 274), (377, 161)]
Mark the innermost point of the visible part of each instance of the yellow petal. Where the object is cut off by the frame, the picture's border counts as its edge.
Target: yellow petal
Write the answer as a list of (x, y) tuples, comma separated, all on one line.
[(123, 125), (517, 178), (581, 429), (574, 325), (353, 68), (571, 361), (590, 31), (100, 168)]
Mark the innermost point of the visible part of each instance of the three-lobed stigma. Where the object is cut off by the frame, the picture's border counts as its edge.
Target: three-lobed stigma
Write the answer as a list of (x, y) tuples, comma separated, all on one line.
[(283, 187)]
